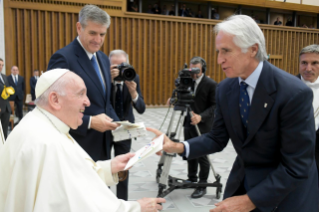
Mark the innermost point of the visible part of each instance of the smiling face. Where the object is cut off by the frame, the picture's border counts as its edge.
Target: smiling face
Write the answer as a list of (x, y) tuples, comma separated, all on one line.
[(309, 66), (74, 102), (233, 61), (92, 36)]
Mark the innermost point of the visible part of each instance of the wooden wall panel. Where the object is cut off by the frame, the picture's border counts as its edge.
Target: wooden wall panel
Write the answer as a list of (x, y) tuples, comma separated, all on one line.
[(158, 46)]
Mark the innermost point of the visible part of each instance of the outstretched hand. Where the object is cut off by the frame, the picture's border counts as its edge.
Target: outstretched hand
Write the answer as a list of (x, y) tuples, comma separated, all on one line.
[(168, 145)]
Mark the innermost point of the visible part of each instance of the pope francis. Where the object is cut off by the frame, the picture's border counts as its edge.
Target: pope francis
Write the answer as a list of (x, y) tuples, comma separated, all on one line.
[(42, 169)]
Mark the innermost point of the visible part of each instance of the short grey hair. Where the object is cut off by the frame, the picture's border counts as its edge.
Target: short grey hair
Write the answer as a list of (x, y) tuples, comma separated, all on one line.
[(58, 87), (197, 60), (119, 52), (310, 49), (95, 14), (246, 33)]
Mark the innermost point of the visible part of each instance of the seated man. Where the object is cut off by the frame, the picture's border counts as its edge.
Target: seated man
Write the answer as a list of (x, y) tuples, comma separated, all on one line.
[(43, 168)]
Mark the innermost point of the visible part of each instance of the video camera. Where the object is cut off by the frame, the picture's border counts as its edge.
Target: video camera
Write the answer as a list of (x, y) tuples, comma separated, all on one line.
[(183, 93), (127, 72)]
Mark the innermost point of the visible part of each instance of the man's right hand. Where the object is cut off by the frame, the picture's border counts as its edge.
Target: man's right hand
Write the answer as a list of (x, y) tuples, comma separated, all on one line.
[(114, 71), (151, 204), (168, 145), (102, 123)]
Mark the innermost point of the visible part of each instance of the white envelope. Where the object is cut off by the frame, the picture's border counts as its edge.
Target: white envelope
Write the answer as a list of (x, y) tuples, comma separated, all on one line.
[(146, 151), (128, 130)]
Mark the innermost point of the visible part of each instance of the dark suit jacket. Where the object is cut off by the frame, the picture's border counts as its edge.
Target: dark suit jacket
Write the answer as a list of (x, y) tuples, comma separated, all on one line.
[(317, 141), (19, 88), (74, 58), (277, 157), (33, 83), (4, 103), (204, 104), (127, 103)]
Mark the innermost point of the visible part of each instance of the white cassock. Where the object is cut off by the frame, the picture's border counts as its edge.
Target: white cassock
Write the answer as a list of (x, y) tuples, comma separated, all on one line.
[(42, 169)]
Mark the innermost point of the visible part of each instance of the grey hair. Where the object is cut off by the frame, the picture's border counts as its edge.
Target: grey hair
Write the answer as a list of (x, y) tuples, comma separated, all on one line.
[(95, 14), (196, 60), (310, 49), (119, 52), (246, 33), (58, 87)]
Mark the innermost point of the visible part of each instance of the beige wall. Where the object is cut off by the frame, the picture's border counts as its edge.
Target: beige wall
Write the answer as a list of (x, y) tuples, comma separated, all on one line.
[(311, 2), (308, 2)]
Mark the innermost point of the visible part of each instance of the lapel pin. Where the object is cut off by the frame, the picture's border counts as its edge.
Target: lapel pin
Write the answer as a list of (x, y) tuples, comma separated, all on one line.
[(265, 105)]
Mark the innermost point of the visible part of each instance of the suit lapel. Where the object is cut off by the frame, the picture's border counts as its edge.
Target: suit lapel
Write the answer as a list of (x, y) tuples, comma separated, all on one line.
[(87, 67), (262, 101), (233, 105), (200, 85)]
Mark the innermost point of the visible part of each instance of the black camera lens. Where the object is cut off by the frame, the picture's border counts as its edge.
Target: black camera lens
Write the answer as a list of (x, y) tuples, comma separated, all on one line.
[(186, 81), (129, 74)]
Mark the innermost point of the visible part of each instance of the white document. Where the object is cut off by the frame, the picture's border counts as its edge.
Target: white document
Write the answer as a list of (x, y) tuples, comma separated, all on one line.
[(128, 130), (146, 151)]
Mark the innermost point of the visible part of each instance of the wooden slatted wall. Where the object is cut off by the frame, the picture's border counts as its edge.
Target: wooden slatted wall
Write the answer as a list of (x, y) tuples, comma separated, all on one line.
[(158, 46)]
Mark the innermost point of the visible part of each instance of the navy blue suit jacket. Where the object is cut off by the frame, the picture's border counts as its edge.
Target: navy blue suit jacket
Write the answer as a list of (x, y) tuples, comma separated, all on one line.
[(74, 58), (19, 88), (33, 83), (127, 103), (277, 157)]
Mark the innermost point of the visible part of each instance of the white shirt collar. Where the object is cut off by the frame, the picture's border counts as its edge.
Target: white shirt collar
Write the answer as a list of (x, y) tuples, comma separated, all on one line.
[(89, 54), (253, 78), (57, 123), (199, 79), (310, 84)]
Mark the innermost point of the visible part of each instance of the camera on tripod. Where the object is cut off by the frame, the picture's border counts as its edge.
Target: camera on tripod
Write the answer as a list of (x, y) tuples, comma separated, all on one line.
[(127, 72), (183, 93)]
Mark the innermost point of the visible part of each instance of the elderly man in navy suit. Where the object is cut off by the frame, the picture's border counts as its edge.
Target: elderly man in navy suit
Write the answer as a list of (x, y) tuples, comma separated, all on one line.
[(17, 82), (267, 113), (125, 96), (83, 57)]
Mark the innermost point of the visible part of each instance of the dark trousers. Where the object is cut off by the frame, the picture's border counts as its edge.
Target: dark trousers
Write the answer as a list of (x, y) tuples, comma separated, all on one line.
[(317, 149), (122, 147), (193, 163), (5, 118), (19, 108)]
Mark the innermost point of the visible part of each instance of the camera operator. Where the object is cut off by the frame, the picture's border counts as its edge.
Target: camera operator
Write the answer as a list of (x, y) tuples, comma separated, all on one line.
[(124, 94), (202, 115)]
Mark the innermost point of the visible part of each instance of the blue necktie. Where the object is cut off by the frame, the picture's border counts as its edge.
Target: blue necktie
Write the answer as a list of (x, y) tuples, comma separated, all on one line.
[(244, 104), (119, 102), (15, 80), (96, 68)]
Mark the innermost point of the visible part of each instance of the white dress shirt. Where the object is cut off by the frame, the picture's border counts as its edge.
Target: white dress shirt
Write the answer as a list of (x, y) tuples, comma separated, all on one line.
[(315, 103)]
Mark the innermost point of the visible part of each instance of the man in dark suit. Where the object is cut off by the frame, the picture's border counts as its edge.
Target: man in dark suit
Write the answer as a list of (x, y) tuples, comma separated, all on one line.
[(203, 116), (267, 113), (83, 57), (125, 96), (33, 82), (17, 82), (5, 109), (308, 73)]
